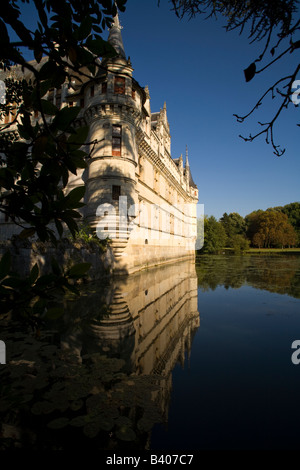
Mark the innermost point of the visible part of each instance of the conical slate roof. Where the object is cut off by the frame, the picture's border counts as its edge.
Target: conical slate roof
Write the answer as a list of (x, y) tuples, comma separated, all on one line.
[(115, 37)]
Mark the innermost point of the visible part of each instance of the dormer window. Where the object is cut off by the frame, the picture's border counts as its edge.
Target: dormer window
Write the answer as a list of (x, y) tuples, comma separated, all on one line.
[(116, 140), (119, 86)]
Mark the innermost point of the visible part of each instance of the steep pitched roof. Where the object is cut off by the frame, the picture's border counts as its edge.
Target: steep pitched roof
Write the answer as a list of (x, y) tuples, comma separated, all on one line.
[(115, 37)]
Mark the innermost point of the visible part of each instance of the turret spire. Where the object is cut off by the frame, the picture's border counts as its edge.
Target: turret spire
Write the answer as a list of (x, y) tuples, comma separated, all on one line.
[(186, 157), (115, 37)]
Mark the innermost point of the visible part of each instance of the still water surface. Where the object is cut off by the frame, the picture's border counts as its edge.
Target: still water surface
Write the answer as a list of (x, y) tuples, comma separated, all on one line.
[(174, 358), (239, 388)]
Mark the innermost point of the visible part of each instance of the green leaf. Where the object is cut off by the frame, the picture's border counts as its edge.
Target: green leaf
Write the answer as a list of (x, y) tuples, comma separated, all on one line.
[(38, 54), (296, 45), (4, 34), (48, 70), (54, 313), (27, 232), (65, 117), (58, 423), (55, 267), (39, 307), (125, 433), (49, 108), (46, 280), (100, 48), (84, 29), (78, 270), (59, 227), (34, 274), (76, 194), (79, 137), (250, 72), (5, 264), (72, 226), (121, 5), (13, 282)]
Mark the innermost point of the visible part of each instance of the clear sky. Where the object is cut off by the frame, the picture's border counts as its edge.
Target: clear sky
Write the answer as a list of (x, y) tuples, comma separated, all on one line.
[(197, 68)]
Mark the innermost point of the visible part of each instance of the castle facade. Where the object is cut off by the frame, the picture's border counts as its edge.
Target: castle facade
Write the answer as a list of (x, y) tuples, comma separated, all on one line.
[(136, 193)]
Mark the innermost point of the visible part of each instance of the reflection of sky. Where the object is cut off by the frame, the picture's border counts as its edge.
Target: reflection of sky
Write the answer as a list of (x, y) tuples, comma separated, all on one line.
[(2, 352), (239, 387)]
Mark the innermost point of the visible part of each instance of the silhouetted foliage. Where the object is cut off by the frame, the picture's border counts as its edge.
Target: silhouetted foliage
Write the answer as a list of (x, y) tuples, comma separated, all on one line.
[(38, 155)]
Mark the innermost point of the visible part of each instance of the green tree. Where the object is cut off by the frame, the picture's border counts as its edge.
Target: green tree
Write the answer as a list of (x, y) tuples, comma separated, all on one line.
[(292, 210), (214, 235), (272, 228), (274, 22), (235, 228), (36, 158)]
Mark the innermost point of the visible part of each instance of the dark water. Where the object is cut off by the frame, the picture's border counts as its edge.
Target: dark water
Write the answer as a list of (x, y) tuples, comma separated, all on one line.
[(240, 389), (179, 357)]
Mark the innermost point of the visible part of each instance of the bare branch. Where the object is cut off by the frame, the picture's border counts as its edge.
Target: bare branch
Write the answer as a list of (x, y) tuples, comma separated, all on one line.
[(269, 126)]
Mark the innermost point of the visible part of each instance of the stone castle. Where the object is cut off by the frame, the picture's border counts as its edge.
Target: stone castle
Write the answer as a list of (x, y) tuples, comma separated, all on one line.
[(136, 193)]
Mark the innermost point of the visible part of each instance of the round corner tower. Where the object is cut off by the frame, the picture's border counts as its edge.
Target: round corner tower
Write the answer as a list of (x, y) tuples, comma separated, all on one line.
[(113, 112)]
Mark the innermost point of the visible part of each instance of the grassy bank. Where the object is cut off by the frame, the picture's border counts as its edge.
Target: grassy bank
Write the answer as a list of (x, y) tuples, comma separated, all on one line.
[(273, 250), (255, 251)]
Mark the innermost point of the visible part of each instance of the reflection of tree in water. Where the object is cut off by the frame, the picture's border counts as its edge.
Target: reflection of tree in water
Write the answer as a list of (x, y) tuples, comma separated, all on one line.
[(51, 401), (275, 273)]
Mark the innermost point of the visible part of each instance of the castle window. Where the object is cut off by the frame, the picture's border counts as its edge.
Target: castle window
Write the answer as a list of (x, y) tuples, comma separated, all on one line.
[(82, 102), (104, 87), (92, 91), (116, 192), (119, 88), (116, 140), (71, 104), (133, 94)]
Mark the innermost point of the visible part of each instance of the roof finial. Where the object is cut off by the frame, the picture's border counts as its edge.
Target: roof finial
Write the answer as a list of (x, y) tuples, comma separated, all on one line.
[(115, 36), (186, 157)]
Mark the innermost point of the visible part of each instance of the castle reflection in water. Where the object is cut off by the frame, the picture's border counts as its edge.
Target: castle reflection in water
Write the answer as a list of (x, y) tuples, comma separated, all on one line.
[(152, 318), (107, 371), (150, 323)]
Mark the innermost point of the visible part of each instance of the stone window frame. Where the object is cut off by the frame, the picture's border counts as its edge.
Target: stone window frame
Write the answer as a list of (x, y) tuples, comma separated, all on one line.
[(119, 85), (116, 140)]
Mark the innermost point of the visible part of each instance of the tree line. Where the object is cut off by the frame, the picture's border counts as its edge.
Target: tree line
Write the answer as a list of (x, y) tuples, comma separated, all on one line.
[(276, 227)]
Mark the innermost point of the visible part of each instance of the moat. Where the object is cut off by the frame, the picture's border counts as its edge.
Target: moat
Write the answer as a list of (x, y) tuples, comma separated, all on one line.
[(181, 357)]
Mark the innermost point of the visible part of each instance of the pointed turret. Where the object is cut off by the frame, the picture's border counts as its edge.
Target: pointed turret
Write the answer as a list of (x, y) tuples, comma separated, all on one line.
[(187, 165), (188, 174), (115, 37)]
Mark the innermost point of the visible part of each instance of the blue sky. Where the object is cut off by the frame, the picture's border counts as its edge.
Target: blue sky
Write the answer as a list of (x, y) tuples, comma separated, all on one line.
[(197, 68)]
